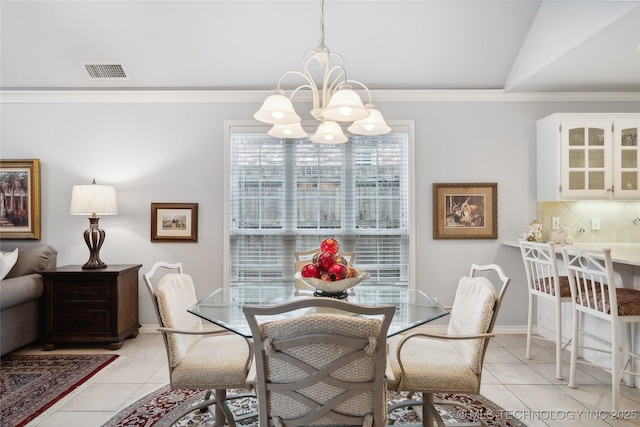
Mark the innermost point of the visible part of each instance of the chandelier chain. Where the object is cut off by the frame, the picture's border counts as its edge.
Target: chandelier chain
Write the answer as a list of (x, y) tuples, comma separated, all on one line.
[(322, 22), (334, 101)]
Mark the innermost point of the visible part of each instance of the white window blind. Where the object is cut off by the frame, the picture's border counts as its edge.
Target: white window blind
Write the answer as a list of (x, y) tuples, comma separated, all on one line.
[(289, 195)]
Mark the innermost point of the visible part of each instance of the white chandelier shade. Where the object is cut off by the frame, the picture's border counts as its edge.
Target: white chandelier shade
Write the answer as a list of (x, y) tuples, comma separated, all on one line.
[(277, 110), (329, 132), (345, 106), (333, 101), (373, 124), (293, 131)]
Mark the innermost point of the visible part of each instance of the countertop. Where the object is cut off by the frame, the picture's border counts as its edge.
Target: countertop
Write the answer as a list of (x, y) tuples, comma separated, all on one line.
[(624, 253)]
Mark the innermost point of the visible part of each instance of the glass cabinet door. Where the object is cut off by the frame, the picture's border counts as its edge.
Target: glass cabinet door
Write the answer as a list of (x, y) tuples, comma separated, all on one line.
[(588, 158), (626, 171)]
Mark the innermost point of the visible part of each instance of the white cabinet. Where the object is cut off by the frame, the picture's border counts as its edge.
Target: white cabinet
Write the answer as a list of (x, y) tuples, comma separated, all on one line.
[(588, 156)]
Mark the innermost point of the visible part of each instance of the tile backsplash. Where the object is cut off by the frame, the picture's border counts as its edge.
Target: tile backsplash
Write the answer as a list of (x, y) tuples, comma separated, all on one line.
[(619, 221)]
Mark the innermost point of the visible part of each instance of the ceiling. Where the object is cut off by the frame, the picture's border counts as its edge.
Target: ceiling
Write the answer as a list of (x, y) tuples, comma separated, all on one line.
[(511, 45)]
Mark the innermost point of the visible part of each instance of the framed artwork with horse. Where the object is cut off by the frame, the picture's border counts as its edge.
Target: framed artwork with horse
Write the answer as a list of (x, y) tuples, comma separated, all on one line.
[(174, 222), (465, 211), (20, 199)]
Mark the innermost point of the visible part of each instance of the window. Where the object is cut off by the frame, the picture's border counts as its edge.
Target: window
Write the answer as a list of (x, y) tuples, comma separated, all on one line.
[(288, 195)]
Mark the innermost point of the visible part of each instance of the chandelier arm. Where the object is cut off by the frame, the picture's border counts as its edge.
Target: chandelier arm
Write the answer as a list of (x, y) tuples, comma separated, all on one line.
[(337, 55), (364, 87), (299, 88), (310, 84), (339, 79)]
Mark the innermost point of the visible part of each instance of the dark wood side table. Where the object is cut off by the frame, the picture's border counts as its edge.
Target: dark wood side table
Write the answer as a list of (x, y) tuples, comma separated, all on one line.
[(91, 305)]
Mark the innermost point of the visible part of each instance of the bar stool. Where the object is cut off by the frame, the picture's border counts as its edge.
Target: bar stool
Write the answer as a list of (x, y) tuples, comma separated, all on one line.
[(543, 281), (594, 293)]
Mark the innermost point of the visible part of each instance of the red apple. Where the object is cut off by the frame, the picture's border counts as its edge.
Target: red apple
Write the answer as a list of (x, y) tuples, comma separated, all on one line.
[(310, 270), (337, 272), (326, 260), (330, 245)]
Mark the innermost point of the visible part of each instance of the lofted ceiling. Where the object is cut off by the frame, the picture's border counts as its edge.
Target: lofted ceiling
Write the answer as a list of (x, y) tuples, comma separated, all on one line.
[(511, 45)]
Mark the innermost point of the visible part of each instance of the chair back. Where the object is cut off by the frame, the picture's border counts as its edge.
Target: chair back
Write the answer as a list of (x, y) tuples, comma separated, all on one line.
[(541, 267), (592, 281), (325, 367), (175, 294), (150, 279), (474, 311)]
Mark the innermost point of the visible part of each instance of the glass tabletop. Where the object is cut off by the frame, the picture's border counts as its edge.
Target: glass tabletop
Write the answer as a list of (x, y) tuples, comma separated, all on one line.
[(224, 306)]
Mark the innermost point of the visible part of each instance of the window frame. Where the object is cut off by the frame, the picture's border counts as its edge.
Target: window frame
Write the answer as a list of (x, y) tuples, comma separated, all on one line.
[(250, 126)]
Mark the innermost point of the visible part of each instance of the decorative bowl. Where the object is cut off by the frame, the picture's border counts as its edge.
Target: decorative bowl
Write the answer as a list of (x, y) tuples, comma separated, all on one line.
[(339, 287)]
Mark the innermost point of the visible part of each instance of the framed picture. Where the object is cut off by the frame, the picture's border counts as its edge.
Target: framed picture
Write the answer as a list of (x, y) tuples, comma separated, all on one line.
[(465, 211), (174, 222), (20, 199)]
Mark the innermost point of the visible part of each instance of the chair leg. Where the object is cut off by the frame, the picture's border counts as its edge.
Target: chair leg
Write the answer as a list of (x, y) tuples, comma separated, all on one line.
[(627, 360), (529, 326), (429, 412), (574, 348), (222, 412), (558, 341), (203, 404), (615, 365)]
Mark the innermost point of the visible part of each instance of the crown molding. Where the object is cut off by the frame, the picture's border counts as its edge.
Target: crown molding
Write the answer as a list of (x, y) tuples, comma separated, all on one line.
[(250, 96)]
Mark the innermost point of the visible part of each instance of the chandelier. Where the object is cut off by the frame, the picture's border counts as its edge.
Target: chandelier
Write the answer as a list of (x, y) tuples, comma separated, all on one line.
[(334, 101)]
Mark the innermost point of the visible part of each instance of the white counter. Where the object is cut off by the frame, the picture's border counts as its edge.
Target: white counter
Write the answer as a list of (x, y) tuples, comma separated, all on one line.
[(623, 253)]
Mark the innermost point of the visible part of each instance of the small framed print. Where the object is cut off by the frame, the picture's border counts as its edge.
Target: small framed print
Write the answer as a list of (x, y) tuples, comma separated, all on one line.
[(20, 199), (465, 211), (174, 222)]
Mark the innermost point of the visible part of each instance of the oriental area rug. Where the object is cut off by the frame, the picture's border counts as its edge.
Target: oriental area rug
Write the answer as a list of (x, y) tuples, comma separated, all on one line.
[(30, 384), (157, 409)]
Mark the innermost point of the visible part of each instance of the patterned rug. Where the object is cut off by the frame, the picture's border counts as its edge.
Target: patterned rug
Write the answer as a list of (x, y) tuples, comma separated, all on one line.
[(157, 409), (30, 384)]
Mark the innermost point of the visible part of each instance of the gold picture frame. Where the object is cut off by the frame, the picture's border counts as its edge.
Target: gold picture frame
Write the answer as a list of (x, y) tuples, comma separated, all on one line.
[(465, 211), (174, 222), (20, 199)]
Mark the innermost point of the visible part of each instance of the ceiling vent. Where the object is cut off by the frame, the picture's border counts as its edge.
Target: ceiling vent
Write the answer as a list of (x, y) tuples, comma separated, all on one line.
[(106, 71)]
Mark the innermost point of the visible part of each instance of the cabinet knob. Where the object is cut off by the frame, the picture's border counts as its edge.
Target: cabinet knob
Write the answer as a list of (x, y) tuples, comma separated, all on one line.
[(610, 189)]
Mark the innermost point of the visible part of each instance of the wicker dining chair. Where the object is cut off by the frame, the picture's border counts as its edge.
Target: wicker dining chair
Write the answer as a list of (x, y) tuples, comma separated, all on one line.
[(325, 367), (212, 360), (430, 363)]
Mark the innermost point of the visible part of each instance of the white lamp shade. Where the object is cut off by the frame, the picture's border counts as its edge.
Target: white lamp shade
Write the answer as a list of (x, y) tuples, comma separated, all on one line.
[(374, 124), (93, 199), (345, 106), (293, 131), (277, 109), (329, 133)]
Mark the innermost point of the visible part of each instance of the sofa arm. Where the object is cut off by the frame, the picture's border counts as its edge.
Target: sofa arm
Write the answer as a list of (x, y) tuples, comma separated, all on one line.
[(32, 258)]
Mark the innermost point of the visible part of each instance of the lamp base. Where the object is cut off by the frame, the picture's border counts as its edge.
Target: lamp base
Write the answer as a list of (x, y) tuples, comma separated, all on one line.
[(94, 237), (93, 264)]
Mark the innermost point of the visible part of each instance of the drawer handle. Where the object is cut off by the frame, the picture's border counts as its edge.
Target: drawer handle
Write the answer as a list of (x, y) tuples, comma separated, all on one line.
[(81, 293)]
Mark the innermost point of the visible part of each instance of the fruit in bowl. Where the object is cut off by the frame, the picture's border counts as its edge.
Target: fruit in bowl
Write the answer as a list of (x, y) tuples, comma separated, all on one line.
[(329, 272), (335, 287)]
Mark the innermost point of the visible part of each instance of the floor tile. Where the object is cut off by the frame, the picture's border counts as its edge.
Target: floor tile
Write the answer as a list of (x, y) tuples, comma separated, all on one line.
[(512, 373), (524, 388)]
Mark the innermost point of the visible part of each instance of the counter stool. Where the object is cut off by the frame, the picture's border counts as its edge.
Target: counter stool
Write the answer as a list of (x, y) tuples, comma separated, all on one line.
[(541, 266), (594, 293)]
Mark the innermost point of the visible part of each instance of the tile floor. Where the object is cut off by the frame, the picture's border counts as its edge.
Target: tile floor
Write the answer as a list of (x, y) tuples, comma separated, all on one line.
[(527, 388)]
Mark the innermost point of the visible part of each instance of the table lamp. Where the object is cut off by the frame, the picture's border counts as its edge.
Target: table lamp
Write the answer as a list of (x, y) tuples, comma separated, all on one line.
[(94, 200)]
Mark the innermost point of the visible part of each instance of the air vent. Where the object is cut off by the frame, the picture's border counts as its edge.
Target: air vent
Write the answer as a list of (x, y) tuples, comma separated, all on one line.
[(106, 71)]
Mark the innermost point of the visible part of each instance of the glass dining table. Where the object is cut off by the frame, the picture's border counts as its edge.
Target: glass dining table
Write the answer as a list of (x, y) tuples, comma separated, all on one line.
[(224, 306)]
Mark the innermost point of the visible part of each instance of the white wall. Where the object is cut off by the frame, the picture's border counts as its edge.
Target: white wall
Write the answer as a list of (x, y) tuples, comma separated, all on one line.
[(173, 152)]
